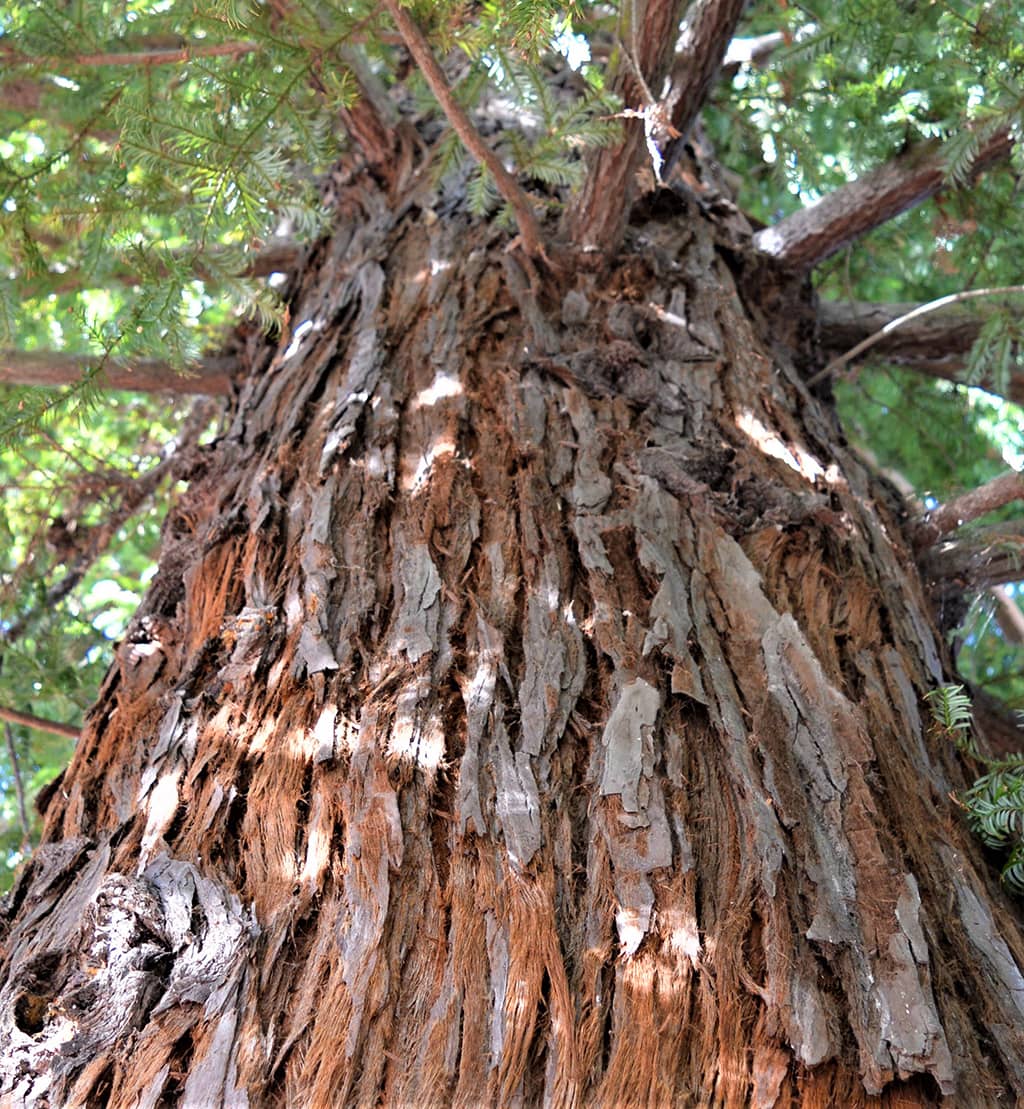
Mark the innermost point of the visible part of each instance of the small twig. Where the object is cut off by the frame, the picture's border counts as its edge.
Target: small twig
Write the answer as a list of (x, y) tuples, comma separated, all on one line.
[(280, 257), (969, 506), (19, 790), (1008, 615), (471, 138), (920, 310), (54, 727)]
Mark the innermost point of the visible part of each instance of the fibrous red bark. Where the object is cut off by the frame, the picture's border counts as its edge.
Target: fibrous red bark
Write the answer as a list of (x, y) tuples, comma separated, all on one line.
[(528, 708)]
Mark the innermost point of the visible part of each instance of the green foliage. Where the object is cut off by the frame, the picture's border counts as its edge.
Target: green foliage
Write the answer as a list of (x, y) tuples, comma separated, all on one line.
[(951, 709), (124, 179), (961, 438), (995, 803), (995, 812)]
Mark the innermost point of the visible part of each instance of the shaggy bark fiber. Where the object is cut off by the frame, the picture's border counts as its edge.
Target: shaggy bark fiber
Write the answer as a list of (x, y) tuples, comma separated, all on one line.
[(527, 710)]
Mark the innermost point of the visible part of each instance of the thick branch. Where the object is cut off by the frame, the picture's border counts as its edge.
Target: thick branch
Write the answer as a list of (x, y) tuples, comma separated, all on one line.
[(982, 558), (54, 727), (934, 345), (472, 140), (48, 369), (706, 36), (808, 237), (970, 506), (597, 220), (908, 317)]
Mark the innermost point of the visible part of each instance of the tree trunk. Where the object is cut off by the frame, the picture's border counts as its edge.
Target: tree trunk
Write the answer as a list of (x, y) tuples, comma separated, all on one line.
[(528, 710)]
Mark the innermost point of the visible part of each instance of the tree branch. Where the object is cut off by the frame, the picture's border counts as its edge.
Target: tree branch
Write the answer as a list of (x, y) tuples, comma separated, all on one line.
[(597, 221), (280, 257), (19, 790), (969, 506), (937, 346), (10, 56), (802, 240), (707, 33), (899, 321), (49, 369), (30, 721), (507, 185), (982, 558)]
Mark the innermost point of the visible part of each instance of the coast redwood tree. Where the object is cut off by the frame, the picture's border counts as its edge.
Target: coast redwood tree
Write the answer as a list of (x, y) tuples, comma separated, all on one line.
[(529, 704)]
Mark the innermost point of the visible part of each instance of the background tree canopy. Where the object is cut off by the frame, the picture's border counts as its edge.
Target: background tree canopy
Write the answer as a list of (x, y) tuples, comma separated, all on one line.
[(163, 166)]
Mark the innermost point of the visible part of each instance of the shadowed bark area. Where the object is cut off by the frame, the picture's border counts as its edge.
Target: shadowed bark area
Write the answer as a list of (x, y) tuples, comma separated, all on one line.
[(528, 709)]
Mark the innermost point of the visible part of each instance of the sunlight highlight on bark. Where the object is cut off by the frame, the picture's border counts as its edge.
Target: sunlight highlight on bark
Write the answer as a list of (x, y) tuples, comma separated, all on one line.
[(772, 444)]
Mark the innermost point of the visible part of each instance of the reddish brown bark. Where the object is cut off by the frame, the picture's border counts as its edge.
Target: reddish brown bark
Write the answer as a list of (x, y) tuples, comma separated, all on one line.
[(707, 33), (680, 82), (597, 219), (528, 709)]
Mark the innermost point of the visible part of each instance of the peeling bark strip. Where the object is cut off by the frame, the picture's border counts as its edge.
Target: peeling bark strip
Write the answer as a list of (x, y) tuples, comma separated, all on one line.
[(527, 710)]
